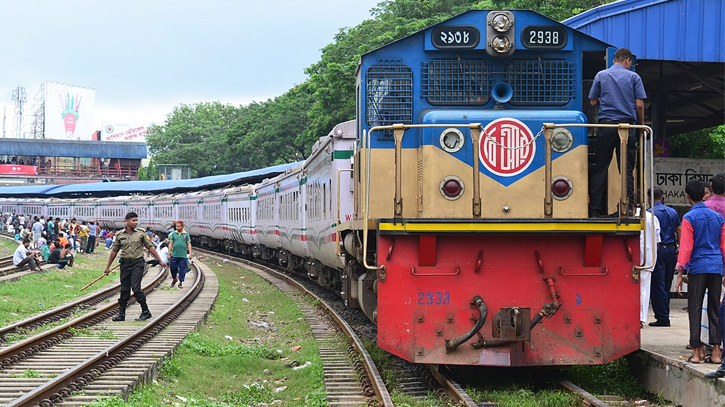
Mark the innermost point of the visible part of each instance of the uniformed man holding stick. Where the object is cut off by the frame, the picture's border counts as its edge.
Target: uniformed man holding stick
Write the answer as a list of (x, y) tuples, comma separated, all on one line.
[(131, 242)]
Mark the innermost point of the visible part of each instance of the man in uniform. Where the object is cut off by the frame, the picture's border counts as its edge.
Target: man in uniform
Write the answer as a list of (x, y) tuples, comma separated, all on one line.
[(131, 242), (620, 95), (666, 258)]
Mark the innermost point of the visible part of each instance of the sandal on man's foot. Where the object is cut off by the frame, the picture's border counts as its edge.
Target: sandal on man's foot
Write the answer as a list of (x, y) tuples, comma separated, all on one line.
[(709, 359), (689, 360)]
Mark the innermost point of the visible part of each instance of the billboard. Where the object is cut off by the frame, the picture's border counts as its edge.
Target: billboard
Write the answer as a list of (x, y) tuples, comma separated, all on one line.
[(123, 132), (69, 112)]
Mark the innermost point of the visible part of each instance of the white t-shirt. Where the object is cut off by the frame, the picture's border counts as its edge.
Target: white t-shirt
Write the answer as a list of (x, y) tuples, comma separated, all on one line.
[(164, 254), (20, 254), (646, 248)]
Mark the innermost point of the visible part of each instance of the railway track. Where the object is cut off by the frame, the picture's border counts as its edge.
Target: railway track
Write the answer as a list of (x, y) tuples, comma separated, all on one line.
[(7, 268), (345, 388), (91, 357)]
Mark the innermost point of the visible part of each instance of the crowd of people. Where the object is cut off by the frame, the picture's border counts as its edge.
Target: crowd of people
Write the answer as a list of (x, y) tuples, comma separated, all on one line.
[(694, 248), (56, 241)]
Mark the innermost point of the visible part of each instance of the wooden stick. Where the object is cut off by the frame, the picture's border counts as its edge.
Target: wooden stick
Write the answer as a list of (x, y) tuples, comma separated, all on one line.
[(102, 275)]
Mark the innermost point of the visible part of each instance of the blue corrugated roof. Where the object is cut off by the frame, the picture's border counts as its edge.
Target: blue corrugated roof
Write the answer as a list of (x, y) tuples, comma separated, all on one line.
[(120, 188), (73, 148), (674, 30), (32, 190)]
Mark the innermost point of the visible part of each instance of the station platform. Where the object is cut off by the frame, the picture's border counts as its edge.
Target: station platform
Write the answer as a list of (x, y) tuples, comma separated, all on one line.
[(663, 369)]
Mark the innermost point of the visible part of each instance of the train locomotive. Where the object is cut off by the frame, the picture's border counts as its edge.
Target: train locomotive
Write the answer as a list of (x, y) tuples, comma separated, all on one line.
[(453, 211)]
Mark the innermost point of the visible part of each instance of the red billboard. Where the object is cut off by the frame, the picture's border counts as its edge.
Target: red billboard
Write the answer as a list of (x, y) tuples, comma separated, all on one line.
[(11, 169)]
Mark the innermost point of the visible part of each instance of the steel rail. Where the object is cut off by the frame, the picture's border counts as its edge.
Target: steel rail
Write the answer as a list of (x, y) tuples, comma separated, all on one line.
[(369, 365), (588, 398), (26, 348), (84, 373), (452, 388), (60, 312)]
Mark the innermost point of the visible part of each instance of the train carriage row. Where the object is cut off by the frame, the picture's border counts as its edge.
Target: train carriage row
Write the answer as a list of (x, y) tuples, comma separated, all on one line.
[(267, 219)]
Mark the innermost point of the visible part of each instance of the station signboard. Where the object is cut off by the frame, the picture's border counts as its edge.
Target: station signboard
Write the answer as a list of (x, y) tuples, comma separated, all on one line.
[(123, 132)]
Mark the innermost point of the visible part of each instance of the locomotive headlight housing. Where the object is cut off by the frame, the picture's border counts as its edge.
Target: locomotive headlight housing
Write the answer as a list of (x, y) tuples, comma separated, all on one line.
[(561, 187), (501, 44), (452, 187), (561, 140), (501, 23), (500, 33), (451, 140)]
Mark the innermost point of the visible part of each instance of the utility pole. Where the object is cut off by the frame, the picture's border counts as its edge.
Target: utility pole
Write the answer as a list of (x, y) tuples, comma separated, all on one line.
[(19, 97)]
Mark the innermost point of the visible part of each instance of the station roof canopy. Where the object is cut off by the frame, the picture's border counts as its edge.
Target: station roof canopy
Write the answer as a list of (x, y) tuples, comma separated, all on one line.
[(680, 50), (101, 189), (73, 148)]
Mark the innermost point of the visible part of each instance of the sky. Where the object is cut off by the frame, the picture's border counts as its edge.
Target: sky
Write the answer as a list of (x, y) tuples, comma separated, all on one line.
[(143, 58)]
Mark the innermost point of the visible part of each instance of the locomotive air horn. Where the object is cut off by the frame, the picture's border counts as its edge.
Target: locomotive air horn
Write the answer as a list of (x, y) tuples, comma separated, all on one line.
[(502, 92)]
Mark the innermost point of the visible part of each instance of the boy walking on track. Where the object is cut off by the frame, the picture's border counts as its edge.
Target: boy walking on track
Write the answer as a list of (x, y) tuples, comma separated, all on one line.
[(180, 249), (130, 242)]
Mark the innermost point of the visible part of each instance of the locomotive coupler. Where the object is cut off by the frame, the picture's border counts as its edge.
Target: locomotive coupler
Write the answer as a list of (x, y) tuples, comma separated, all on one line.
[(454, 343)]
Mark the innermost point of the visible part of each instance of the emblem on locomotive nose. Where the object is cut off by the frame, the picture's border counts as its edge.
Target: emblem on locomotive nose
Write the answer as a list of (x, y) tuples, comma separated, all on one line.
[(507, 147)]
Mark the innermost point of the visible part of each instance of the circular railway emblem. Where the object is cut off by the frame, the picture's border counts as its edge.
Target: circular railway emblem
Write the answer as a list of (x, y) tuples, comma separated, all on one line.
[(109, 129), (506, 148)]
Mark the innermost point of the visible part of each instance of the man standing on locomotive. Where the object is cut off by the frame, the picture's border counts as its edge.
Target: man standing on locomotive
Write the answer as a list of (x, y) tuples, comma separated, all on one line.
[(131, 242), (620, 95)]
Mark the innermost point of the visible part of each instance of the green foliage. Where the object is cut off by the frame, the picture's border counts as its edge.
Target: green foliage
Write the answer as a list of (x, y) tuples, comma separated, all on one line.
[(214, 138), (556, 10), (149, 173), (612, 378), (31, 374), (206, 347), (527, 398), (170, 368), (706, 143)]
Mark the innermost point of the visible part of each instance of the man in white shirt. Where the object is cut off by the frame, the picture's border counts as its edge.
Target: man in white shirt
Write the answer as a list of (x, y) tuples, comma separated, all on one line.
[(648, 253), (23, 256)]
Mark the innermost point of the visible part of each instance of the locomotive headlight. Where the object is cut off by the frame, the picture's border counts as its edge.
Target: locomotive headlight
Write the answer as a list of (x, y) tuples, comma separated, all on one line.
[(501, 23), (561, 187), (451, 140), (501, 44), (452, 188), (561, 140)]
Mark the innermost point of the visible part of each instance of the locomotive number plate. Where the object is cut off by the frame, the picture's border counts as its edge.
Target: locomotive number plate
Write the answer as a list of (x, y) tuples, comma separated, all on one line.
[(543, 37), (434, 298), (455, 36)]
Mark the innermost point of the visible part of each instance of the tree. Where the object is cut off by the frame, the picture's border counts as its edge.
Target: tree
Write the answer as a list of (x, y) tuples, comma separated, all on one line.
[(706, 143), (195, 135)]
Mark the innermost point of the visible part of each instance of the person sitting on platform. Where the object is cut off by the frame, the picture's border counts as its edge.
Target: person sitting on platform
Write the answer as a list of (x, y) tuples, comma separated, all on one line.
[(23, 256), (62, 257)]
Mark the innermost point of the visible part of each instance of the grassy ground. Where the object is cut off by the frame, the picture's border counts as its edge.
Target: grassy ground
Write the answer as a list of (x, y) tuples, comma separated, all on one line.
[(240, 356), (7, 247), (38, 292)]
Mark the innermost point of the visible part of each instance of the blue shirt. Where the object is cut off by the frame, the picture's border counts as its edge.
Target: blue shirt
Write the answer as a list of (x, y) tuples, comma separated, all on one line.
[(703, 255), (669, 221), (617, 89)]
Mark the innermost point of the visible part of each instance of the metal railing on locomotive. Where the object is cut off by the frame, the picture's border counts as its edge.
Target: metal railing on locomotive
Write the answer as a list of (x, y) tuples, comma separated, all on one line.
[(646, 157)]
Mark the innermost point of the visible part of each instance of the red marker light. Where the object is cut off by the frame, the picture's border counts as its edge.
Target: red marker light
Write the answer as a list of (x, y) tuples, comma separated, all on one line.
[(452, 188), (561, 188)]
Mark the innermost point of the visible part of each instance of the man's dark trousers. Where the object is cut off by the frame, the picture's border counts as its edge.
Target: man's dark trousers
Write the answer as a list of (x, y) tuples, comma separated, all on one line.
[(91, 246), (131, 276), (607, 142), (662, 277), (696, 287)]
